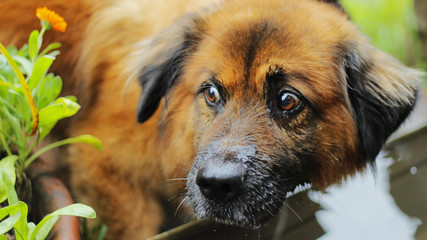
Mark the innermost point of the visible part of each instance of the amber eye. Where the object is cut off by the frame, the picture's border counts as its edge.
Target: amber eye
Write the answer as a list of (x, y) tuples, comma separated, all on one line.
[(288, 101), (212, 95)]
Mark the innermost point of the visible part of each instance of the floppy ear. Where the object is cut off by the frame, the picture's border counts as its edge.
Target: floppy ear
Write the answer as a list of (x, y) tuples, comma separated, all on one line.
[(163, 60), (382, 92), (335, 3)]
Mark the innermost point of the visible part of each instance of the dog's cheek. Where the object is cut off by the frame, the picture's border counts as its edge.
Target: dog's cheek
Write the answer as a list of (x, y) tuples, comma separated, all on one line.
[(336, 150), (291, 147), (203, 118)]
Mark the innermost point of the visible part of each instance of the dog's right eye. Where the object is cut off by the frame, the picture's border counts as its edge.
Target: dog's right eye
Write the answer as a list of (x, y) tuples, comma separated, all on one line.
[(288, 101), (212, 95)]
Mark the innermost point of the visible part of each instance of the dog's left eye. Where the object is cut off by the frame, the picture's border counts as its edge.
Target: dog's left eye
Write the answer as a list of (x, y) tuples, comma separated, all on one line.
[(212, 95), (288, 101)]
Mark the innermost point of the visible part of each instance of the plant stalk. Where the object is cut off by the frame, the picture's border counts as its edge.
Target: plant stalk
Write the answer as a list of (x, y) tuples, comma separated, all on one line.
[(30, 99)]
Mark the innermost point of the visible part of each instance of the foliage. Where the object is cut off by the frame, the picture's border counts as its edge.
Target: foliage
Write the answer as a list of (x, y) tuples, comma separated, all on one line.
[(22, 125), (390, 24), (29, 109), (18, 210), (97, 231)]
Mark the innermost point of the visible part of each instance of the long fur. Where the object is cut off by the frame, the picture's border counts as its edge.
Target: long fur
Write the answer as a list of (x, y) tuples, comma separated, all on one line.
[(353, 97)]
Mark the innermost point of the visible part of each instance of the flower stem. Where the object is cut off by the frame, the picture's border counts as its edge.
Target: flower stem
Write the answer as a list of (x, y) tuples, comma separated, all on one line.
[(34, 111)]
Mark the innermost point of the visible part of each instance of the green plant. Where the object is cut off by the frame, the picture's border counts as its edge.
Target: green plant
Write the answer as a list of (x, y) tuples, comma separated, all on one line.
[(18, 210), (29, 109), (97, 231), (391, 26)]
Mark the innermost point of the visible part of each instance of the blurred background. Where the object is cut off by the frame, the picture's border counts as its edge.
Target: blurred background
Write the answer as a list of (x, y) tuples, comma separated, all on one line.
[(397, 27)]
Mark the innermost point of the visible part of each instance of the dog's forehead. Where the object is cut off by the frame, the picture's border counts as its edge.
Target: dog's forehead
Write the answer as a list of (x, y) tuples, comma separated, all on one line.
[(242, 50)]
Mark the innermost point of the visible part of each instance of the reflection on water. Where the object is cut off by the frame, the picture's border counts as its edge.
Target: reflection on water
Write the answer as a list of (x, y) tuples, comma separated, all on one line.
[(362, 208), (413, 170)]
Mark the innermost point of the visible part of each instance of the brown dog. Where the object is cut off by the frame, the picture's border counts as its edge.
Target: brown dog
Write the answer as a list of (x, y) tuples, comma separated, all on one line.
[(246, 99)]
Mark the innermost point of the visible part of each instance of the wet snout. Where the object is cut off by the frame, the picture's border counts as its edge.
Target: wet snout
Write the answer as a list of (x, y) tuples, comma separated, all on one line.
[(221, 176), (221, 182)]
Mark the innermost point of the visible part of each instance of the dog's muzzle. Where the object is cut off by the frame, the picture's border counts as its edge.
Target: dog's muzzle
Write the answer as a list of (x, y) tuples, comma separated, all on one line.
[(222, 183)]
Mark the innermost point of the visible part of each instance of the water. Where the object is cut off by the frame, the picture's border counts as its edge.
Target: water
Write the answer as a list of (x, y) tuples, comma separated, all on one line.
[(362, 208)]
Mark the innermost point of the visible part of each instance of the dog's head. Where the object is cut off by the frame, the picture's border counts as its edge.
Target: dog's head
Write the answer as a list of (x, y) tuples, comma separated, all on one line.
[(271, 94)]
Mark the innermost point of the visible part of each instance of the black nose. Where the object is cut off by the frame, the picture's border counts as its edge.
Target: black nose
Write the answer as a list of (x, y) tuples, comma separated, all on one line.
[(220, 183)]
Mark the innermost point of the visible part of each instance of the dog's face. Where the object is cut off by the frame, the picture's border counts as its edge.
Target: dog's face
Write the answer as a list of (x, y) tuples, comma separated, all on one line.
[(274, 94)]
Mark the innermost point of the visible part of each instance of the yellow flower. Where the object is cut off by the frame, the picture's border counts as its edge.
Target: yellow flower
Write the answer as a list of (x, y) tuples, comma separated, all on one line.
[(56, 22)]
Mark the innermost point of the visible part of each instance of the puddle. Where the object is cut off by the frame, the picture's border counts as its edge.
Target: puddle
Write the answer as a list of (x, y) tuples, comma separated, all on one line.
[(363, 208)]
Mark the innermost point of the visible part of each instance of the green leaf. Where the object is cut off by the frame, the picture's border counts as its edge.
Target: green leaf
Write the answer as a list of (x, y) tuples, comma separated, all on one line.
[(14, 126), (8, 223), (39, 71), (6, 71), (50, 47), (19, 220), (33, 45), (31, 227), (86, 138), (19, 105), (102, 232), (3, 237), (50, 115), (4, 86), (71, 98), (45, 229), (11, 195), (12, 50), (3, 61), (62, 108), (53, 53), (23, 51), (21, 227), (7, 168), (8, 210), (76, 209), (46, 224), (49, 90), (7, 179), (26, 65)]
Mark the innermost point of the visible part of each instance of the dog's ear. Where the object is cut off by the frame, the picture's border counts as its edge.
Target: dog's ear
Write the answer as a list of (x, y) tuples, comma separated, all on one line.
[(163, 60), (335, 3), (382, 92)]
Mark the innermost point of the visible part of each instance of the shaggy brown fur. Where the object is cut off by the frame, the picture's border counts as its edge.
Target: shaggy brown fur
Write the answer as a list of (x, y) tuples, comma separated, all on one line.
[(248, 54)]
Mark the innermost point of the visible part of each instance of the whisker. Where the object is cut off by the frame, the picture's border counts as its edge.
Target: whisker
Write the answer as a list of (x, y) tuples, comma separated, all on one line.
[(174, 184), (179, 206), (277, 207), (287, 205), (178, 194), (176, 179), (296, 214)]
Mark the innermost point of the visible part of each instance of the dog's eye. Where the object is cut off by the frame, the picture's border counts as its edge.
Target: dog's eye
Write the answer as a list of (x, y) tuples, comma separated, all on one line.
[(288, 101), (212, 95)]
